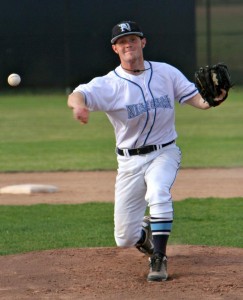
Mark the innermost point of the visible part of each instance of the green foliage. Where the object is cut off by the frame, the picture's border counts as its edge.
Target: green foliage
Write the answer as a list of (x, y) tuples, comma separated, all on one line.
[(214, 222), (38, 133)]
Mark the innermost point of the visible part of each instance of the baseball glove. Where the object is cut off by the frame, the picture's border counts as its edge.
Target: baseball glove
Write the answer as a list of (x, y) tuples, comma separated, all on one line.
[(210, 80)]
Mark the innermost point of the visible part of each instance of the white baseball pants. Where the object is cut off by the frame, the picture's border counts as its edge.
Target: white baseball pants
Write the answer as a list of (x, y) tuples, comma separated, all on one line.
[(143, 180)]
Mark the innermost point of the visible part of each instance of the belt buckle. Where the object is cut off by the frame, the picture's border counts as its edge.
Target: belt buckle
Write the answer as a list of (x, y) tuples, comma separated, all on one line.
[(138, 151)]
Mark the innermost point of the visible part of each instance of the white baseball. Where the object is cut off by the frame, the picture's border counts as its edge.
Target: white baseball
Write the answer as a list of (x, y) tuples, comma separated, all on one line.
[(14, 79)]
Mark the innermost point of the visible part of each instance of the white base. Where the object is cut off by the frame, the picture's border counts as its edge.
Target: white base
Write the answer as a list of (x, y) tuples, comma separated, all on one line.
[(28, 189)]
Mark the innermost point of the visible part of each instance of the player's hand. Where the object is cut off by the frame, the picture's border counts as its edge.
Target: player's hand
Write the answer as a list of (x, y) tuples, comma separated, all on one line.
[(76, 102), (221, 96), (81, 114)]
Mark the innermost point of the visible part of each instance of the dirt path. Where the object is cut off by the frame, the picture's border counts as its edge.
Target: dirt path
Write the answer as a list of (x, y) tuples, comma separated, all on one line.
[(210, 273), (78, 187)]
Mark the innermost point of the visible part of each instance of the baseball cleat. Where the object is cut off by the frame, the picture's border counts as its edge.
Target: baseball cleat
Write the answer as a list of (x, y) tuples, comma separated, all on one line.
[(147, 247), (158, 268)]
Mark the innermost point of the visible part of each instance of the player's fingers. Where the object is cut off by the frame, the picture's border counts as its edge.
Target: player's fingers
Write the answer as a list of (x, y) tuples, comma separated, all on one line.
[(222, 95), (83, 121), (81, 114)]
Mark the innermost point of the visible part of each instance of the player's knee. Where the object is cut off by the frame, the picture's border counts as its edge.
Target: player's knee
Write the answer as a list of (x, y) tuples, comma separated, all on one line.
[(125, 241), (161, 196), (161, 199), (162, 210)]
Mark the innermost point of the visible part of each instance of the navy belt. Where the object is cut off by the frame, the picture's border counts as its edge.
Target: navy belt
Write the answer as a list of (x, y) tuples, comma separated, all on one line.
[(142, 150)]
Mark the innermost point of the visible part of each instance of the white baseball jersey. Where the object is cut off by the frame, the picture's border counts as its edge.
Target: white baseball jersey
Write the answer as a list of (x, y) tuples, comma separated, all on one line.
[(140, 107)]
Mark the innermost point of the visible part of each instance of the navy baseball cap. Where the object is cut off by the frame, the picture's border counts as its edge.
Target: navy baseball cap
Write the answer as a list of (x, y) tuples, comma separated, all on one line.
[(125, 28)]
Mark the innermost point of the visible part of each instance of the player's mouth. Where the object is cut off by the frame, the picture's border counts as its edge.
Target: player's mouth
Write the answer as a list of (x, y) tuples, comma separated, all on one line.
[(129, 51)]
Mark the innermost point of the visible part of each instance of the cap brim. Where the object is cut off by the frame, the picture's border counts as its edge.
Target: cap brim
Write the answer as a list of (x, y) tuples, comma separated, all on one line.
[(126, 33)]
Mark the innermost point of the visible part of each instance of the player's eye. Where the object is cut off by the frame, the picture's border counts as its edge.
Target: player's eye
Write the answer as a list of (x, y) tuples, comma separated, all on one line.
[(121, 42)]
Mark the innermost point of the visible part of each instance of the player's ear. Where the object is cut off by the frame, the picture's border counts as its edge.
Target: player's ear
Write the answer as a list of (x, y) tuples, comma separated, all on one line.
[(144, 41), (114, 48)]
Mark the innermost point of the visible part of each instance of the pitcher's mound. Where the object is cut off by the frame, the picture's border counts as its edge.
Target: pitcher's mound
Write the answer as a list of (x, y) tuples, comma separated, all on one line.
[(28, 189), (195, 272)]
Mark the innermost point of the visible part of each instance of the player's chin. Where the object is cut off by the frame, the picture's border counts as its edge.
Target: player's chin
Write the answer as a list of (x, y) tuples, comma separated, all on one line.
[(129, 55)]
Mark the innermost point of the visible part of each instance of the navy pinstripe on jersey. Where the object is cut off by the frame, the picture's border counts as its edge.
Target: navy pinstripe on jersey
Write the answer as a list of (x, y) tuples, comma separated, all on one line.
[(145, 102)]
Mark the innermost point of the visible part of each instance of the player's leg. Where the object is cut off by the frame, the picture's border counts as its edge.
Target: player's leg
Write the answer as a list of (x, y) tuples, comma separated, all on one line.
[(130, 204), (160, 177)]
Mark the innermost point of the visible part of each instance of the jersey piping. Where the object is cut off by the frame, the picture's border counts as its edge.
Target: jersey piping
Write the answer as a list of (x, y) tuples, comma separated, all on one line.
[(144, 99)]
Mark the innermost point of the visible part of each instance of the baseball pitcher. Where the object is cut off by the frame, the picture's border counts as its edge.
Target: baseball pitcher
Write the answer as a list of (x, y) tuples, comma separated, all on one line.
[(139, 98)]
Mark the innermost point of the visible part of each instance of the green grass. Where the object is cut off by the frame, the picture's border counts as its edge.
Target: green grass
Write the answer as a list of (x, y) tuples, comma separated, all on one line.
[(40, 227), (212, 138), (212, 222), (38, 133)]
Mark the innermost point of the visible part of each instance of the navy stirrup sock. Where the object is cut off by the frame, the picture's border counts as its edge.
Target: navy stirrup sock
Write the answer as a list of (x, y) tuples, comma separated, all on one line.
[(161, 229)]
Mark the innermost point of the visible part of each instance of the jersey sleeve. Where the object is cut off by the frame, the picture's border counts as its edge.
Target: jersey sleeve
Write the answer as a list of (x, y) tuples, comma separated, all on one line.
[(183, 88), (99, 94)]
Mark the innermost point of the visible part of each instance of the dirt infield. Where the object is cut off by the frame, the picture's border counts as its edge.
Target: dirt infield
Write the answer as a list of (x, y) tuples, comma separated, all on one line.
[(79, 187), (112, 273)]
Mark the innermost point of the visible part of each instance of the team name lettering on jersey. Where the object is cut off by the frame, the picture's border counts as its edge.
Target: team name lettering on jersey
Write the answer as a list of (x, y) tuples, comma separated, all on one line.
[(135, 110)]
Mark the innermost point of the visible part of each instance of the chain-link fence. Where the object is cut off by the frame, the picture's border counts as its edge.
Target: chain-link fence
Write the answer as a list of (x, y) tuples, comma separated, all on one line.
[(59, 43), (219, 28)]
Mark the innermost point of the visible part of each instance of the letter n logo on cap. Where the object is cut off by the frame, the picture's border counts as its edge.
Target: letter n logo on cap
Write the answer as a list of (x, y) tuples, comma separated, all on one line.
[(125, 27)]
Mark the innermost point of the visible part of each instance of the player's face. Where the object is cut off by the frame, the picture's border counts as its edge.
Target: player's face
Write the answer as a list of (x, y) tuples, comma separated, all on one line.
[(129, 48)]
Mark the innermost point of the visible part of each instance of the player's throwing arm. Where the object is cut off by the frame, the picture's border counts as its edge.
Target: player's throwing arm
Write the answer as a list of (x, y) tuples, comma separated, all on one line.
[(77, 103)]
